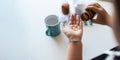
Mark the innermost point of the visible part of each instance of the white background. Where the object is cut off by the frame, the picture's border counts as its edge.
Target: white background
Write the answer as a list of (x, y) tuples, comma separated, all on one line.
[(22, 32)]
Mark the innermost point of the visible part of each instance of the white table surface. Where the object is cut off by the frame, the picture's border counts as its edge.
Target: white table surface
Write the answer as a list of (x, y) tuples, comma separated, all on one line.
[(22, 32)]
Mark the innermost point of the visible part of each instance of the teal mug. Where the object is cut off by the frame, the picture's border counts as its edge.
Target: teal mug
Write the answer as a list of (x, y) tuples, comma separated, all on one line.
[(53, 25)]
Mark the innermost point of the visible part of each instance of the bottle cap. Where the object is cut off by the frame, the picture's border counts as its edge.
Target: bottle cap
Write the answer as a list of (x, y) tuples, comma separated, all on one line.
[(85, 16)]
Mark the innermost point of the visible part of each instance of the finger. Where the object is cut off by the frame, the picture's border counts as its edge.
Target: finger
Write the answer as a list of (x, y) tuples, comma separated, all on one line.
[(74, 18), (77, 20), (95, 9), (65, 30), (95, 4), (63, 26), (81, 25), (71, 20)]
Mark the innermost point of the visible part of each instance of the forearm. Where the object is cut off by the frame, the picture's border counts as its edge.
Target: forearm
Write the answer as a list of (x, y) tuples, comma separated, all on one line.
[(74, 51)]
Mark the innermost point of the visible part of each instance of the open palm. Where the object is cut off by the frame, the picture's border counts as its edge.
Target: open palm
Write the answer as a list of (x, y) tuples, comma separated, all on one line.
[(75, 28)]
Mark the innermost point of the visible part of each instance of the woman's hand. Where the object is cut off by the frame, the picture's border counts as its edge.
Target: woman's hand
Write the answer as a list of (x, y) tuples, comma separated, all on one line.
[(102, 15), (74, 30)]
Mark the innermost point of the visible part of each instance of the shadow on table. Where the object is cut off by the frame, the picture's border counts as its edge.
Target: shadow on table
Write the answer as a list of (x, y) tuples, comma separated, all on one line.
[(60, 39)]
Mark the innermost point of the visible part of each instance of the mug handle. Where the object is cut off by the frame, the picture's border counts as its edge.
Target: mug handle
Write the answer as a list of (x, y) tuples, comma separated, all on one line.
[(48, 32)]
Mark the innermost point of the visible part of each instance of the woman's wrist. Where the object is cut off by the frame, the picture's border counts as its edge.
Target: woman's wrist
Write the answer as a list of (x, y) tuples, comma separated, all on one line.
[(75, 40), (108, 21), (76, 43)]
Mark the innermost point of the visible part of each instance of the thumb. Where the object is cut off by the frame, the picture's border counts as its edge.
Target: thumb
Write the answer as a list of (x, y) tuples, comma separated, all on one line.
[(94, 8), (63, 27)]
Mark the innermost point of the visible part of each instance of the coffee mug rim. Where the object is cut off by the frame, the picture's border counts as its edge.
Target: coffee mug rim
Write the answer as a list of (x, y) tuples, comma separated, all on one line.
[(52, 16)]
